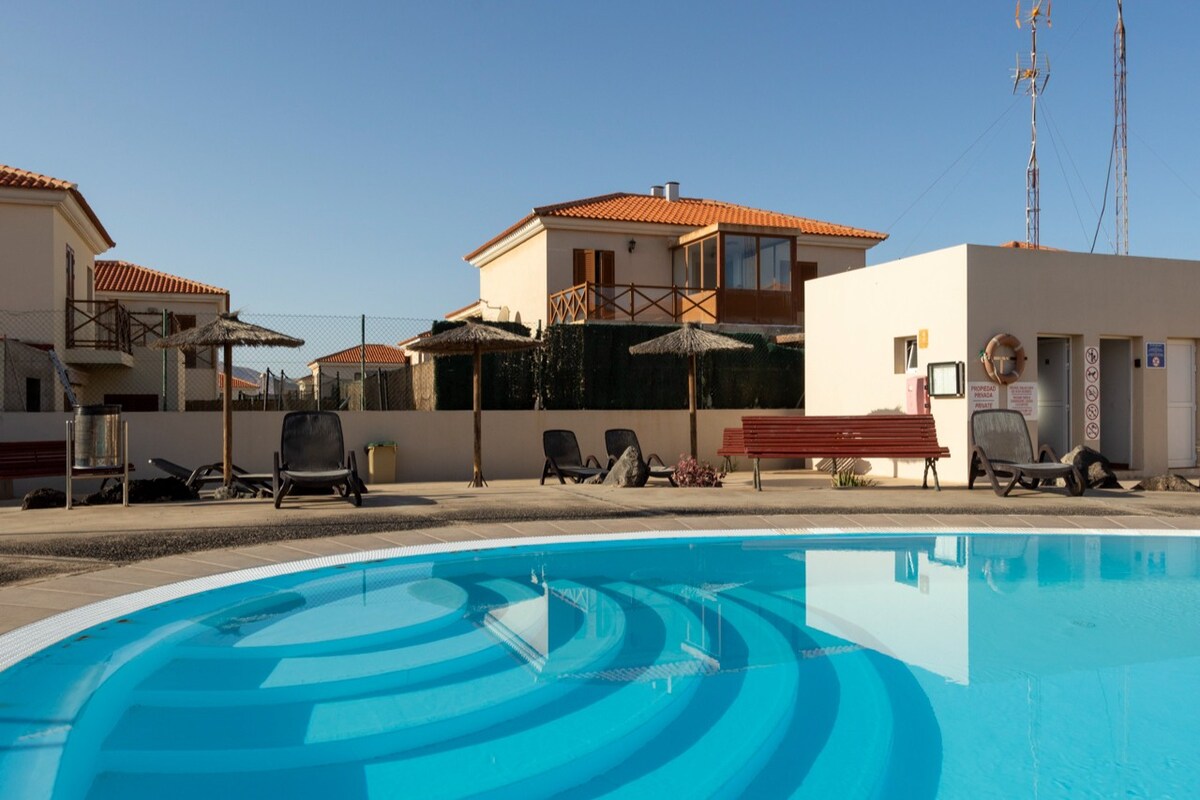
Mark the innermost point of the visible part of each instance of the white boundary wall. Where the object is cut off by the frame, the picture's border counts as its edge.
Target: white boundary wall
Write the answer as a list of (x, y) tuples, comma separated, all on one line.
[(432, 445)]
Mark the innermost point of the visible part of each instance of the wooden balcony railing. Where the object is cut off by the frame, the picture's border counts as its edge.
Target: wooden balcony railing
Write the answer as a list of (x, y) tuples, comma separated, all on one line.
[(98, 325), (640, 303), (146, 326)]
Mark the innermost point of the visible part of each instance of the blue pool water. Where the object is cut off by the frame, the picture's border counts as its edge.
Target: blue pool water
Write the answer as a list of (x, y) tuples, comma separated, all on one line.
[(870, 666)]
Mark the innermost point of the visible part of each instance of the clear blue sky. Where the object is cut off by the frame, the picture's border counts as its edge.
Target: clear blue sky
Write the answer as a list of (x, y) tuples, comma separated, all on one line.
[(341, 158)]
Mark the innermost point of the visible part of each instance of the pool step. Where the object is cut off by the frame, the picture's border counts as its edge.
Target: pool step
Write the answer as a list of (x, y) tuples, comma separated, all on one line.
[(364, 727)]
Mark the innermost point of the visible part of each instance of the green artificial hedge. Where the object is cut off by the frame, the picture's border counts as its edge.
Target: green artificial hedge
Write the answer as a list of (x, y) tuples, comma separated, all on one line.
[(589, 367)]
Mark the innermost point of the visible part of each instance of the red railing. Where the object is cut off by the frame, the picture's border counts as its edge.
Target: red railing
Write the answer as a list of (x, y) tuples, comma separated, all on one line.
[(640, 303)]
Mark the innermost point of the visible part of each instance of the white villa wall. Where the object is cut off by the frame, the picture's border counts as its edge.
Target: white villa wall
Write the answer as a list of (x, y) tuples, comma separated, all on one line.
[(144, 377), (27, 270), (853, 320), (517, 279), (433, 445), (831, 260), (965, 295)]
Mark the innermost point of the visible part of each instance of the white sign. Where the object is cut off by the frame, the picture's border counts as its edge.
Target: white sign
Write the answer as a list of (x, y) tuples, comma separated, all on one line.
[(982, 397), (1091, 393), (1023, 397)]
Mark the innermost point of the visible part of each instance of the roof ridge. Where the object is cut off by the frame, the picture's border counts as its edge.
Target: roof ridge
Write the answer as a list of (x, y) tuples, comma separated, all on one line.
[(18, 178), (539, 211)]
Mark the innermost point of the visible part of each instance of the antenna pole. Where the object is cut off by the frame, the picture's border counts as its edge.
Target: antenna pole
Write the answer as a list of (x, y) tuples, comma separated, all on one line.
[(1035, 75), (1120, 137)]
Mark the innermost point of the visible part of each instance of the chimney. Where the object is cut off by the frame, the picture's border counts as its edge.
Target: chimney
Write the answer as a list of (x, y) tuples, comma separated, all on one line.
[(672, 190), (656, 191)]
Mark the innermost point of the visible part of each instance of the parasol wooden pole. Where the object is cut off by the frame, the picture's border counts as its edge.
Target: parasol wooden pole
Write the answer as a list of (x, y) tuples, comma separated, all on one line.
[(477, 477), (692, 400), (227, 413)]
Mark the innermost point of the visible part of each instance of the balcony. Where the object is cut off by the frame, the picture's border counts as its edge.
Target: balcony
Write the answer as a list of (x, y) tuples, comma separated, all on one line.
[(588, 302), (104, 332)]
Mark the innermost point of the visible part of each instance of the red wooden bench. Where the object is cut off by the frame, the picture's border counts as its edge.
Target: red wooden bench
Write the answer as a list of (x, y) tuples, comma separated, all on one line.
[(733, 443), (33, 459), (899, 436)]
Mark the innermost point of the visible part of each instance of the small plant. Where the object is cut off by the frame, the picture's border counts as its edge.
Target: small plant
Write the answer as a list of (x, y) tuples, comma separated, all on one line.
[(690, 472), (846, 477)]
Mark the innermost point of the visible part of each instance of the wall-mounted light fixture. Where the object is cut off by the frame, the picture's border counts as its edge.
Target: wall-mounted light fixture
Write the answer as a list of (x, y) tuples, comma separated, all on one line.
[(632, 244)]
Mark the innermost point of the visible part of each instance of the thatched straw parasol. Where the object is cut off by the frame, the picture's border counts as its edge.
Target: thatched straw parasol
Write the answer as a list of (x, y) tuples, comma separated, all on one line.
[(475, 339), (227, 331), (689, 341)]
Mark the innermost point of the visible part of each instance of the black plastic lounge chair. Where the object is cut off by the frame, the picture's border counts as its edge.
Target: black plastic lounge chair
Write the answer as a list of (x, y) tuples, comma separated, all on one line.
[(310, 456), (1002, 449), (617, 440), (563, 458), (202, 476)]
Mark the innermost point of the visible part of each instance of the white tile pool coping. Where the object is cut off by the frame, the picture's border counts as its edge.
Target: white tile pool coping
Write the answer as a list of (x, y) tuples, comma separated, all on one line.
[(22, 642)]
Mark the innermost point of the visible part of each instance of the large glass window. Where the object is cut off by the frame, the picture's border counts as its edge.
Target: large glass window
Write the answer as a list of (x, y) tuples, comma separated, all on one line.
[(775, 271), (709, 247), (741, 262), (693, 261)]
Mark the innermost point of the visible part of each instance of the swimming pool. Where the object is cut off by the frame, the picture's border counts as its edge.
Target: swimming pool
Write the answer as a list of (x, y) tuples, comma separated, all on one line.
[(765, 665)]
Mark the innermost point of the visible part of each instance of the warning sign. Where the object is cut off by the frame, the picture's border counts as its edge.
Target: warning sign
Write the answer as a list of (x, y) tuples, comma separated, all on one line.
[(982, 397), (1023, 397), (1091, 393)]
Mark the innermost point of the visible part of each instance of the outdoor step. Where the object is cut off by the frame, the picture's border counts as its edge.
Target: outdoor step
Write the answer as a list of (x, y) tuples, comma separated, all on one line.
[(322, 677), (727, 757), (299, 734), (568, 750)]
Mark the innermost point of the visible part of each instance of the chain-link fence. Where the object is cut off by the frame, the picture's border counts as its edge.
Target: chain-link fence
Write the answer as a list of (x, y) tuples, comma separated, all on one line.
[(102, 352)]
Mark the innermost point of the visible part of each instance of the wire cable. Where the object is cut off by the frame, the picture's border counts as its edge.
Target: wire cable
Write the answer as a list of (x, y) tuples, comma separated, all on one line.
[(1051, 129), (1107, 179)]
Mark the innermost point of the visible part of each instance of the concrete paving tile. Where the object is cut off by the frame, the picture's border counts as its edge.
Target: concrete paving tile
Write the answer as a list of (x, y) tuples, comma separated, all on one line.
[(59, 601), (223, 560), (790, 520), (93, 585), (834, 521), (15, 616), (1148, 523), (1098, 523)]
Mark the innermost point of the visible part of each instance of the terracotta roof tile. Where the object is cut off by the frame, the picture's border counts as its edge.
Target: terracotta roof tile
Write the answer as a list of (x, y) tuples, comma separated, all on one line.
[(691, 212), (1017, 245), (16, 178), (238, 383), (376, 354), (121, 276)]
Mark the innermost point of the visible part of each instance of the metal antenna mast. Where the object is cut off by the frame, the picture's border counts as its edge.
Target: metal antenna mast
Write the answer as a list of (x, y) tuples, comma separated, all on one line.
[(1120, 137), (1036, 75)]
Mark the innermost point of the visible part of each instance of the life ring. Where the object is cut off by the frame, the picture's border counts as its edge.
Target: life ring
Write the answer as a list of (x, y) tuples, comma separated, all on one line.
[(1018, 358)]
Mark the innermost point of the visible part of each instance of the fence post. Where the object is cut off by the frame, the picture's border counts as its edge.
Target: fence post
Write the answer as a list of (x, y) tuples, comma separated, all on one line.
[(317, 385), (362, 367), (279, 384), (165, 333), (266, 388)]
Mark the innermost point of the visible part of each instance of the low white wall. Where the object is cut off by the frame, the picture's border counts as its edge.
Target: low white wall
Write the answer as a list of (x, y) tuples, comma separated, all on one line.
[(432, 445)]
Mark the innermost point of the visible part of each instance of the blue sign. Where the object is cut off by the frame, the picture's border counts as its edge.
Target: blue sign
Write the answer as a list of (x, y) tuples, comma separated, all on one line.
[(1156, 355)]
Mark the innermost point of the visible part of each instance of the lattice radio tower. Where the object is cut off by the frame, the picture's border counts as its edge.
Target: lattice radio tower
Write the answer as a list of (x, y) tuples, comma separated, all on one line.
[(1120, 137), (1036, 75)]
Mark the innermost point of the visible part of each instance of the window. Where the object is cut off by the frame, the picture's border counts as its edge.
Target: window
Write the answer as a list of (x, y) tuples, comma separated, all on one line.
[(33, 394), (187, 321), (594, 266), (70, 273), (694, 266), (905, 352), (758, 263)]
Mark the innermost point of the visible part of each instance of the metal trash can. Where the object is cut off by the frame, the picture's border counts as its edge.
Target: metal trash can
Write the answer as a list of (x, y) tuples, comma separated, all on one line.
[(381, 462), (97, 437)]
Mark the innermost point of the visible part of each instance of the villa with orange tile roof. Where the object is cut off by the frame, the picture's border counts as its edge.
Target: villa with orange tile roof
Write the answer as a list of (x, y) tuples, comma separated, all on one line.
[(659, 257), (336, 372), (96, 318)]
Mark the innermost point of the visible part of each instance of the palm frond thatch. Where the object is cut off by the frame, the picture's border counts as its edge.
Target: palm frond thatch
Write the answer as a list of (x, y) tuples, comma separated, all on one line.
[(688, 341), (473, 336), (227, 329)]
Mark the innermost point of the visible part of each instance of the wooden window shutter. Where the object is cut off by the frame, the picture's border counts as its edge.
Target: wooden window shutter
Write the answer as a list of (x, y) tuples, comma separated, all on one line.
[(607, 264), (579, 272)]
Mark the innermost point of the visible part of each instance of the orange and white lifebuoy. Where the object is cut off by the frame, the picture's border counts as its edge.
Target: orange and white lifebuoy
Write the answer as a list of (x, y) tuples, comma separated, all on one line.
[(989, 358)]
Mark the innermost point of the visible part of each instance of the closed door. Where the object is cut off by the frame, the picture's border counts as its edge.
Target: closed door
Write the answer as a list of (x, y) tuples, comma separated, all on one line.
[(1054, 393), (1181, 404), (1116, 394)]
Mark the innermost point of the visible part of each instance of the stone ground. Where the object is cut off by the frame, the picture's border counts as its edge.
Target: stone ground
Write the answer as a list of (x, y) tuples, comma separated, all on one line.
[(55, 560)]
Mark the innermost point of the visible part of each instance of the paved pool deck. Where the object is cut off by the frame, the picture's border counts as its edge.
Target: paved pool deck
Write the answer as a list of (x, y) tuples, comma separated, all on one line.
[(54, 560)]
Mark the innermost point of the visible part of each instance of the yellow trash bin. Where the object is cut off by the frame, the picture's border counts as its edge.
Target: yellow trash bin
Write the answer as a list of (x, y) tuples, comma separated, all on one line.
[(381, 462)]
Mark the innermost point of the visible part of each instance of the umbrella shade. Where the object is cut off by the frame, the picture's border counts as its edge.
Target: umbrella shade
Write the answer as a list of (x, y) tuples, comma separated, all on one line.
[(475, 339), (691, 342), (472, 336), (227, 331)]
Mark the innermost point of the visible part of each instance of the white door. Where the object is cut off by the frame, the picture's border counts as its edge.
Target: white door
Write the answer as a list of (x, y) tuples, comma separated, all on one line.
[(1181, 404), (1116, 401), (1054, 393)]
